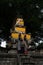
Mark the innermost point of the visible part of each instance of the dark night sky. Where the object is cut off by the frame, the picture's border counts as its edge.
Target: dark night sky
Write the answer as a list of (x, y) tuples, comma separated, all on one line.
[(30, 11)]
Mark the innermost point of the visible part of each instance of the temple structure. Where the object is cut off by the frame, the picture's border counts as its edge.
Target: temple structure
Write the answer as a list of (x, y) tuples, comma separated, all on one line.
[(19, 28)]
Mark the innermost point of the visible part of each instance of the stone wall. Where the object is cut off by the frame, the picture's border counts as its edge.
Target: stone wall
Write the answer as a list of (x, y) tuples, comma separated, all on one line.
[(32, 58)]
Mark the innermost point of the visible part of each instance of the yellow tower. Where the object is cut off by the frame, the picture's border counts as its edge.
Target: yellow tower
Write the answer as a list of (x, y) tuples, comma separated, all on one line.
[(20, 28)]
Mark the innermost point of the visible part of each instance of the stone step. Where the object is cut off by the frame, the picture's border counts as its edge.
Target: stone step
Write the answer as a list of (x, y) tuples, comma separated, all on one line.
[(28, 63)]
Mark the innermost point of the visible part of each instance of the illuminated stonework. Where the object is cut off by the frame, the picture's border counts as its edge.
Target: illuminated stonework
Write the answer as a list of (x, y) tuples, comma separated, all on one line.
[(20, 28)]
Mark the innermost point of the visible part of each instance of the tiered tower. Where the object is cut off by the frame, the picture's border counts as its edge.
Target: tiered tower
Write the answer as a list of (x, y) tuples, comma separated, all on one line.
[(20, 28)]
